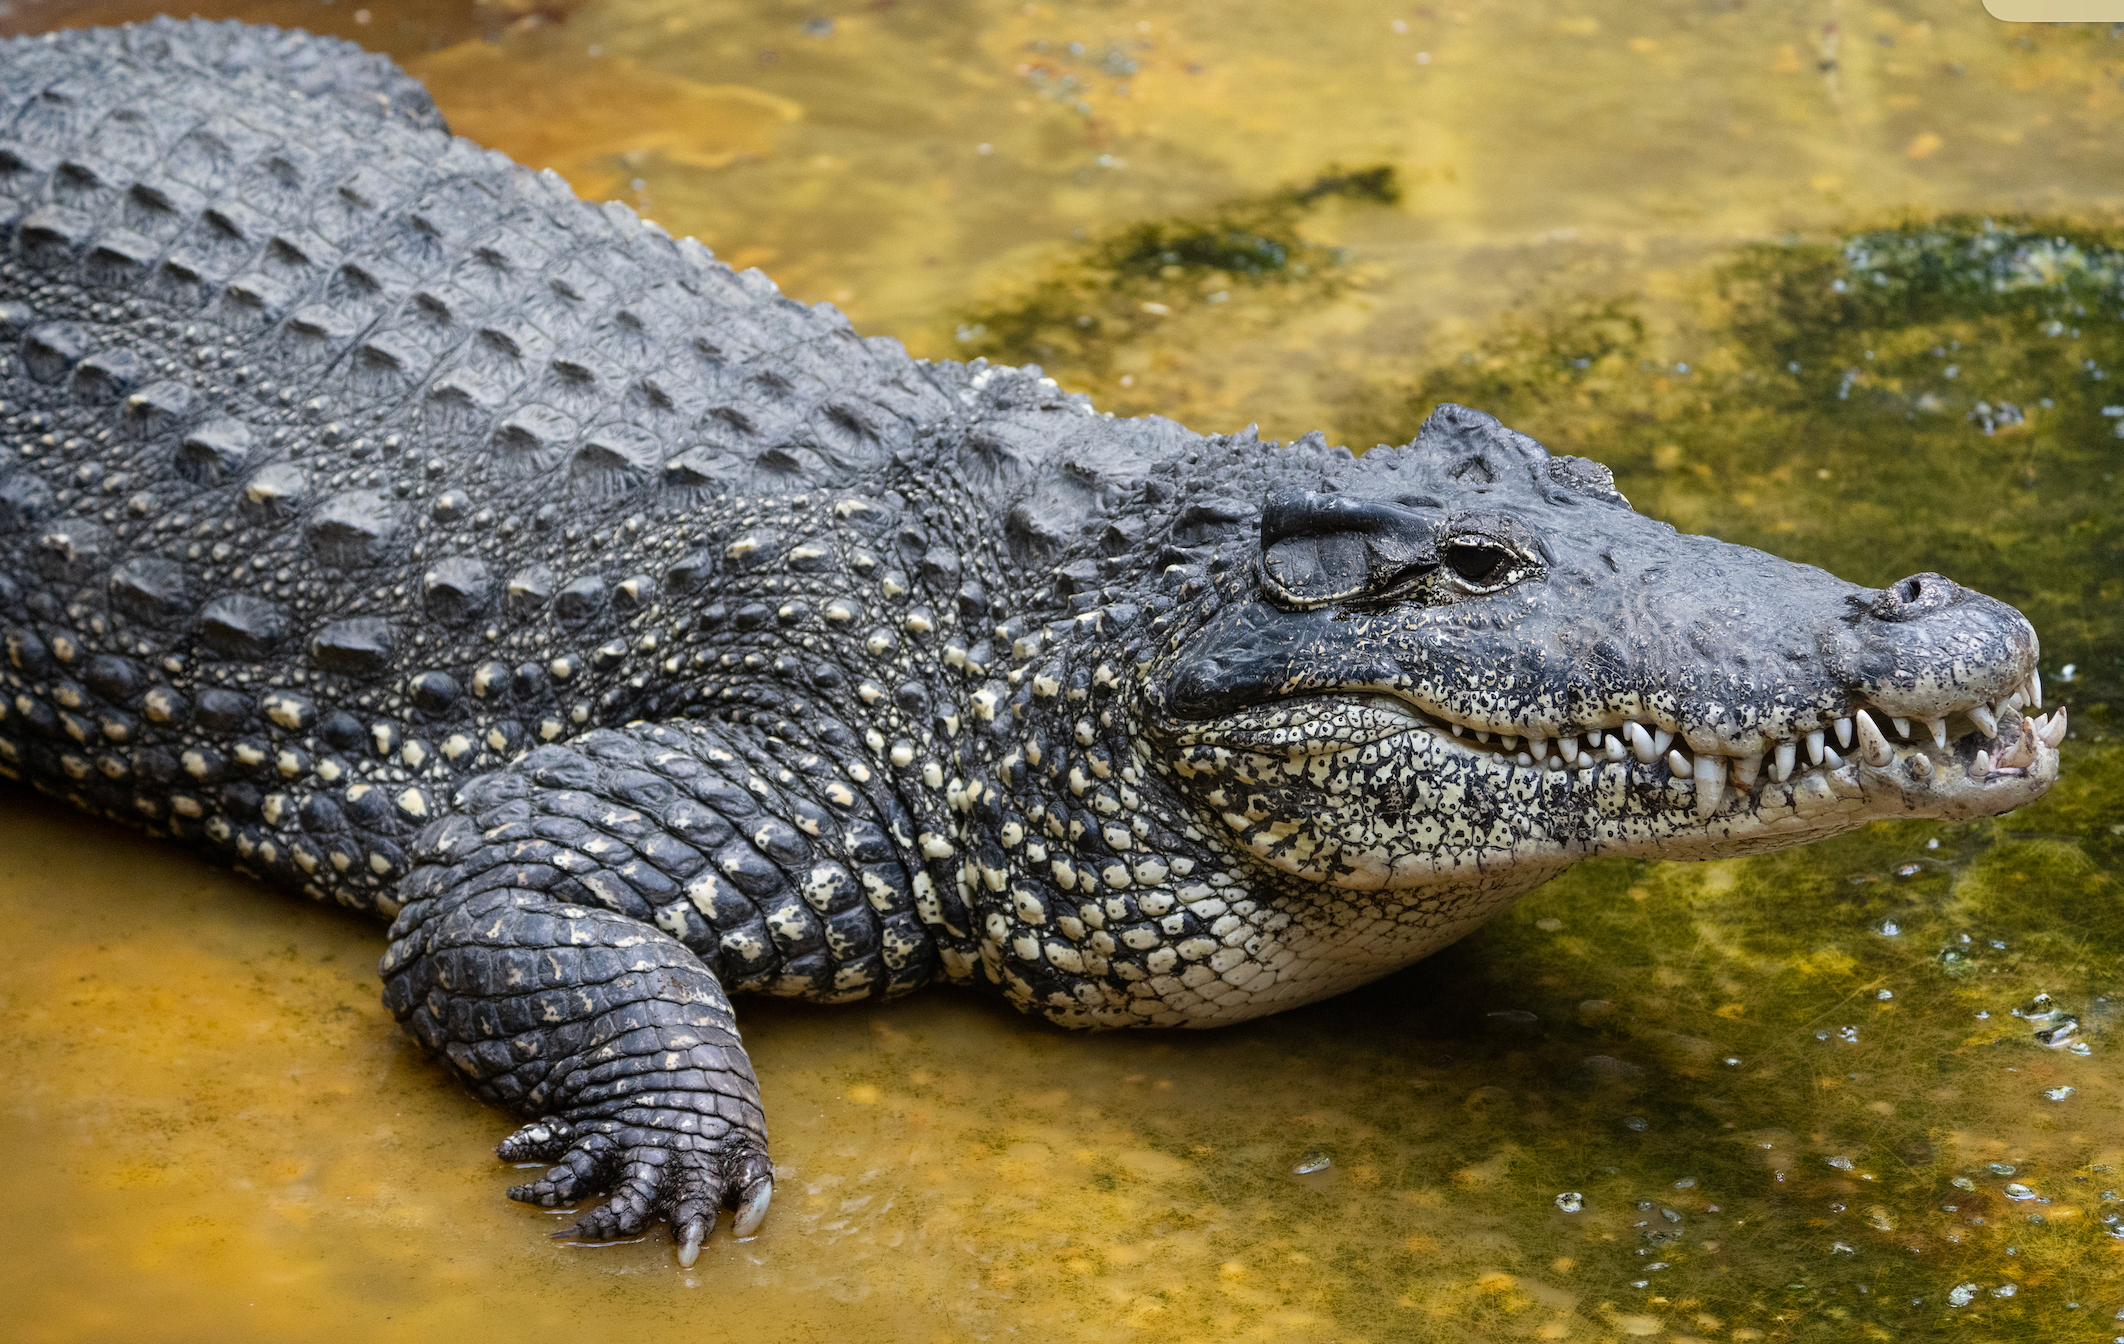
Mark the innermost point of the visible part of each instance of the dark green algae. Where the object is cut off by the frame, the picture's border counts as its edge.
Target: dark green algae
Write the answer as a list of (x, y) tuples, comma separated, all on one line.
[(1248, 260)]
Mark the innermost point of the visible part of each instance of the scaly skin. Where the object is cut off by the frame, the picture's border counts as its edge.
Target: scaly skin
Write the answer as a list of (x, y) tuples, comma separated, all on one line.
[(381, 519)]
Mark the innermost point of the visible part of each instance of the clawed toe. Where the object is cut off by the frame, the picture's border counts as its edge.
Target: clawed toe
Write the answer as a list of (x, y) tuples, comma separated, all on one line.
[(540, 1141)]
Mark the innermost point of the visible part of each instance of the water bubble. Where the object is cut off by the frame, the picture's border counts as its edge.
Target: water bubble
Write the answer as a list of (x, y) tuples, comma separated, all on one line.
[(1933, 843), (1840, 1163), (1548, 925), (1686, 1183), (1669, 1214), (1962, 1294), (1657, 1264), (2058, 1093), (1962, 1183), (1885, 994), (1636, 1124), (1887, 928), (1847, 1033), (1640, 1283), (2000, 1168), (2004, 1290), (2079, 1048), (1838, 1247), (2016, 1191), (1314, 1160), (1570, 1201)]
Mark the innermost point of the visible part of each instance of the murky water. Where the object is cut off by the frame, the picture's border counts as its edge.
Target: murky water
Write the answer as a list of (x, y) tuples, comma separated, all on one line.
[(1740, 251)]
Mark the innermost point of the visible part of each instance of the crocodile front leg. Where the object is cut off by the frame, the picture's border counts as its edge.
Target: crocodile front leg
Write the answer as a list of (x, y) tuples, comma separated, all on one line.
[(612, 1032), (566, 937)]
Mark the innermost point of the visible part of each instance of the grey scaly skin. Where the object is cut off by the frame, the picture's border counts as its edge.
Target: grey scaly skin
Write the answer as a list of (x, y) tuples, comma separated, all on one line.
[(383, 520)]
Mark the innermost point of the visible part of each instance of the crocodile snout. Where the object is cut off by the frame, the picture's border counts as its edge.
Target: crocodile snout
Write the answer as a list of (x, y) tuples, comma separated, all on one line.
[(1926, 646)]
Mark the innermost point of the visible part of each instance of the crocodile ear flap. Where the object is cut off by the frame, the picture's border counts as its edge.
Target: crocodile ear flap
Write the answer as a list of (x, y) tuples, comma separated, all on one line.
[(1318, 549)]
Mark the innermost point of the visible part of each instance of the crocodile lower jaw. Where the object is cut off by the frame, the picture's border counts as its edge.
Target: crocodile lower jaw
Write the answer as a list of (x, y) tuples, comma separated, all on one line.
[(2000, 760)]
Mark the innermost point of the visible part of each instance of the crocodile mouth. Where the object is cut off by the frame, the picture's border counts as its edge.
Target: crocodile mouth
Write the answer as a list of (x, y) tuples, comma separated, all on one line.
[(1972, 746)]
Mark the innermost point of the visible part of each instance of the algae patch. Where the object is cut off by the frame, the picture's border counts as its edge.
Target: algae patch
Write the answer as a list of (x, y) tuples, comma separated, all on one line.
[(1244, 260)]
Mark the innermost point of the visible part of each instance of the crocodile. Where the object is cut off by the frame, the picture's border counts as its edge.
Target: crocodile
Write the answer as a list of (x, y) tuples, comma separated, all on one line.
[(381, 519)]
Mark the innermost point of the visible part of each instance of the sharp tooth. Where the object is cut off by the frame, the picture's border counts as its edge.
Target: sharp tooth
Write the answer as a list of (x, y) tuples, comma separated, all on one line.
[(1507, 741), (1830, 760), (1661, 739), (1524, 759), (1614, 748), (1783, 769), (1568, 746), (1902, 728), (2022, 753), (1745, 770), (1938, 729), (1872, 746), (1457, 729), (2052, 729), (1921, 766), (1593, 740), (1982, 767), (1843, 733), (1482, 735), (1814, 747), (1710, 783), (1641, 742), (2035, 689), (2012, 702), (1678, 765), (1987, 723)]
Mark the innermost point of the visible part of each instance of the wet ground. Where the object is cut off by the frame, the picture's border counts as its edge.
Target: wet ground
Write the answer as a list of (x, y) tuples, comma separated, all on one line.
[(1838, 280)]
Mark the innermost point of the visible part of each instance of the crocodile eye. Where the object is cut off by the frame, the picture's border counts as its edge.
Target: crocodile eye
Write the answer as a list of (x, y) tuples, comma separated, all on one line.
[(1477, 560)]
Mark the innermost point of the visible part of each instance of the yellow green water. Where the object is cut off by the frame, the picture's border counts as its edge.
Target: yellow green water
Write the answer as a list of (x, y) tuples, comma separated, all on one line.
[(212, 1129)]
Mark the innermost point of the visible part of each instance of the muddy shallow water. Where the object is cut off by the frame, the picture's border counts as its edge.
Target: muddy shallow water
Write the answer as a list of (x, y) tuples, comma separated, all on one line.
[(1838, 280)]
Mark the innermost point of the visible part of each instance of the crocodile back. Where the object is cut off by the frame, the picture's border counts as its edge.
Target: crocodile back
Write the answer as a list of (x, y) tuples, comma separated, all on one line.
[(311, 412)]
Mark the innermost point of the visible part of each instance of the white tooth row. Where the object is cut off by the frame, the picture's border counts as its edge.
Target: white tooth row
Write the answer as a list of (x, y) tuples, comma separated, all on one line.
[(1710, 771)]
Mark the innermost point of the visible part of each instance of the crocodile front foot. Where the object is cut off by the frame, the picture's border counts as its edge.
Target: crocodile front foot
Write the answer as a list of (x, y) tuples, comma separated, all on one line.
[(652, 1166)]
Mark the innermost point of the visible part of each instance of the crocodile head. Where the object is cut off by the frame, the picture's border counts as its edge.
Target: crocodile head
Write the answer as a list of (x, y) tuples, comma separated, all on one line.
[(1469, 661)]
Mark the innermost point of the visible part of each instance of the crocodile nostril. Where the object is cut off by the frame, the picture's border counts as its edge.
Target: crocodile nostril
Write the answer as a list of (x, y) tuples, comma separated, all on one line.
[(1907, 599)]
